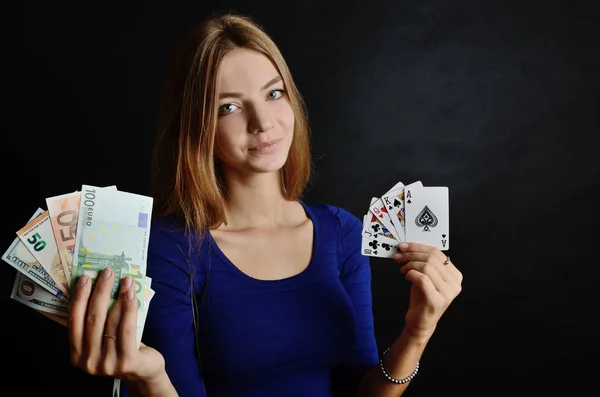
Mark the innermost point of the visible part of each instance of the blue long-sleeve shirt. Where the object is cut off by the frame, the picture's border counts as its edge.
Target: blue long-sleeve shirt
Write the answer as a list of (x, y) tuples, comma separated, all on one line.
[(307, 335)]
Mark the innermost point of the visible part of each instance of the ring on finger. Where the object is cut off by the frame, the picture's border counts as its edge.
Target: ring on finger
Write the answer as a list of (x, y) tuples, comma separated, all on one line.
[(110, 336), (447, 260)]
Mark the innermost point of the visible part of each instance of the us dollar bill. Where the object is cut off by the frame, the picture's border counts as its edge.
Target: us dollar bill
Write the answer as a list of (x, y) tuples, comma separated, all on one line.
[(31, 294)]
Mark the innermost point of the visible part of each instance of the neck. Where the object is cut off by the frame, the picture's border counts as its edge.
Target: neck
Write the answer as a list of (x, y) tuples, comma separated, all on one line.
[(254, 201)]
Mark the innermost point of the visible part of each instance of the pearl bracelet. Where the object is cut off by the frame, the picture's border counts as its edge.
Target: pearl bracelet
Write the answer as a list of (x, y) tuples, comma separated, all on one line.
[(394, 380)]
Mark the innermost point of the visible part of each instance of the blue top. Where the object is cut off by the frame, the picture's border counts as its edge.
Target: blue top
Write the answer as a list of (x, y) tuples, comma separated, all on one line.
[(307, 335)]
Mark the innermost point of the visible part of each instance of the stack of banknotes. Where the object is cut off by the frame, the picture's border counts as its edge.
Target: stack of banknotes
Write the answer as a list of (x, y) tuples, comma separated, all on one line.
[(82, 232)]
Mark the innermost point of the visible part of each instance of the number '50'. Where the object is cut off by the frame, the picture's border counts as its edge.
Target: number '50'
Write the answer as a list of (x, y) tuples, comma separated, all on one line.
[(37, 242)]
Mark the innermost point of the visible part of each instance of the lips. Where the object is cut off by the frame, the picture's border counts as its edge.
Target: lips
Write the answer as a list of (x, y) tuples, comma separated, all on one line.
[(265, 147)]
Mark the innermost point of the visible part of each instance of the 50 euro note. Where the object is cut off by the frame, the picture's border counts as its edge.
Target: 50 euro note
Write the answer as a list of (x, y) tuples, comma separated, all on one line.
[(113, 230), (18, 256), (63, 211), (38, 237)]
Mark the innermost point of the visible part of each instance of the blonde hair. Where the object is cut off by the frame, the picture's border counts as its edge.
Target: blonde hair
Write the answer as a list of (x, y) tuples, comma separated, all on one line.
[(186, 178)]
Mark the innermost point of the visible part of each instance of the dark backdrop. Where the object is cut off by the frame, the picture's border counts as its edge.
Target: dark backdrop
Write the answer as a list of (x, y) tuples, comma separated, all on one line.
[(496, 100)]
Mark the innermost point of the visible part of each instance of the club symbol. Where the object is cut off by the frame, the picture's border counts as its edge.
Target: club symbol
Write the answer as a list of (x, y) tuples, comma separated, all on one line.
[(374, 244), (386, 246), (426, 219), (375, 228)]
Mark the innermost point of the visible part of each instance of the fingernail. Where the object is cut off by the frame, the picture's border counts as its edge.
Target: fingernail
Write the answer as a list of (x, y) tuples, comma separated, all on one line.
[(82, 280), (402, 269), (403, 246), (129, 295), (106, 273), (398, 257), (127, 281)]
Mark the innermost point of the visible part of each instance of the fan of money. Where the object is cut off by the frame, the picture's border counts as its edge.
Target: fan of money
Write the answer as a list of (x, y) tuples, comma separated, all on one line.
[(82, 232)]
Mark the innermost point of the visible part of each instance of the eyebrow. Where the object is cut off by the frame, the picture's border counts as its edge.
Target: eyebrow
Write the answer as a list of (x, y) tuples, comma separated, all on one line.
[(239, 95)]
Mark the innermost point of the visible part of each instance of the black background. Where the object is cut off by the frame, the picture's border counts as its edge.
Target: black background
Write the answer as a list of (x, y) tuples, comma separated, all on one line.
[(496, 100)]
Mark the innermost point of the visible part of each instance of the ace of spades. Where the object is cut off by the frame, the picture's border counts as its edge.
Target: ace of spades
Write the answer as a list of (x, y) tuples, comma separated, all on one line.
[(427, 215)]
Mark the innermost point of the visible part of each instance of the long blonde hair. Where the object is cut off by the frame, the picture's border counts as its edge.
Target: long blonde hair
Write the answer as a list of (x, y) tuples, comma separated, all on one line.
[(186, 178)]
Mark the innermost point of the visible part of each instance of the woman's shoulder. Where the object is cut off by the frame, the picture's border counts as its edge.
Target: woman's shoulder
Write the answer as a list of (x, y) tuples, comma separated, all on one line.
[(344, 218), (341, 224), (168, 224), (167, 227), (167, 232)]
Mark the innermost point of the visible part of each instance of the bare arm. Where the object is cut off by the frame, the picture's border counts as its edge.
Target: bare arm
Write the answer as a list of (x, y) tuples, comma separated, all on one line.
[(435, 283), (159, 386), (399, 362)]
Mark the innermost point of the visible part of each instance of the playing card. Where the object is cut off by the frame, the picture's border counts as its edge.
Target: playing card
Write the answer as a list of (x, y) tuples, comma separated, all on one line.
[(394, 203), (396, 186), (378, 246), (374, 227), (427, 215), (378, 209)]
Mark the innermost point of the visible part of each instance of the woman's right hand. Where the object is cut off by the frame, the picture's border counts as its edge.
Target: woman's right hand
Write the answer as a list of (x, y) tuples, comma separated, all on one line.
[(104, 342)]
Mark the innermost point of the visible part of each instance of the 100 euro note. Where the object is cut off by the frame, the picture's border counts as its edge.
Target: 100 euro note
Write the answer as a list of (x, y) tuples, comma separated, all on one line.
[(64, 213), (113, 230), (141, 318), (18, 256)]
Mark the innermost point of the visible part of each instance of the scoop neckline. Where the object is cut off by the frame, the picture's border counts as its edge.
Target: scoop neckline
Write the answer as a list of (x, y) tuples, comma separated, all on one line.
[(280, 281)]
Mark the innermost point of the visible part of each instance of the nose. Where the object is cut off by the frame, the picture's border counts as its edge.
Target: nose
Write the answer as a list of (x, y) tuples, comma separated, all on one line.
[(261, 119)]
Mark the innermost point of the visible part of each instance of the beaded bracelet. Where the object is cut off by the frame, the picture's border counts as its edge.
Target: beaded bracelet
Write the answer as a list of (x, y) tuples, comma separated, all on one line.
[(394, 380)]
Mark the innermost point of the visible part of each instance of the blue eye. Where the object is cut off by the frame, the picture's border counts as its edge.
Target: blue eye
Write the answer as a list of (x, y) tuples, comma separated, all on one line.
[(227, 108)]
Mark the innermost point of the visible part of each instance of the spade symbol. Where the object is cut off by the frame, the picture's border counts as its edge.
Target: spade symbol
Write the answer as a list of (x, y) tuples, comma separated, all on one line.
[(397, 203), (444, 235), (426, 219)]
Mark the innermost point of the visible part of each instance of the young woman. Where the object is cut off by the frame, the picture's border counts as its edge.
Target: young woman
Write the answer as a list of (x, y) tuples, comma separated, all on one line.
[(256, 292)]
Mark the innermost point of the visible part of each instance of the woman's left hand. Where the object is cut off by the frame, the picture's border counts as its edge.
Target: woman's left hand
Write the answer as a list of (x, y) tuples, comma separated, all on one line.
[(434, 286)]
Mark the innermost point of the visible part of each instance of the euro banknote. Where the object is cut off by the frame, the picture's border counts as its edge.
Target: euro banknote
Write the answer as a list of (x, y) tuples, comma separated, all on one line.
[(18, 256), (38, 237), (113, 230), (64, 212)]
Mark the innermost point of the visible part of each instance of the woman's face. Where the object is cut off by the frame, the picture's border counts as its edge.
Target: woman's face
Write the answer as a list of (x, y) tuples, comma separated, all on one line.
[(256, 122)]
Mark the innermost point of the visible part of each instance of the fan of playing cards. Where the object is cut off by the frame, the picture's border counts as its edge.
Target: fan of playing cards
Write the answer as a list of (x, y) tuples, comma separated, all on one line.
[(411, 213)]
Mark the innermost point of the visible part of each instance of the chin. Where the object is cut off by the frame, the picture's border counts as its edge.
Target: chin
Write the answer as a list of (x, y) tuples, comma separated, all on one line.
[(268, 165), (270, 162)]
